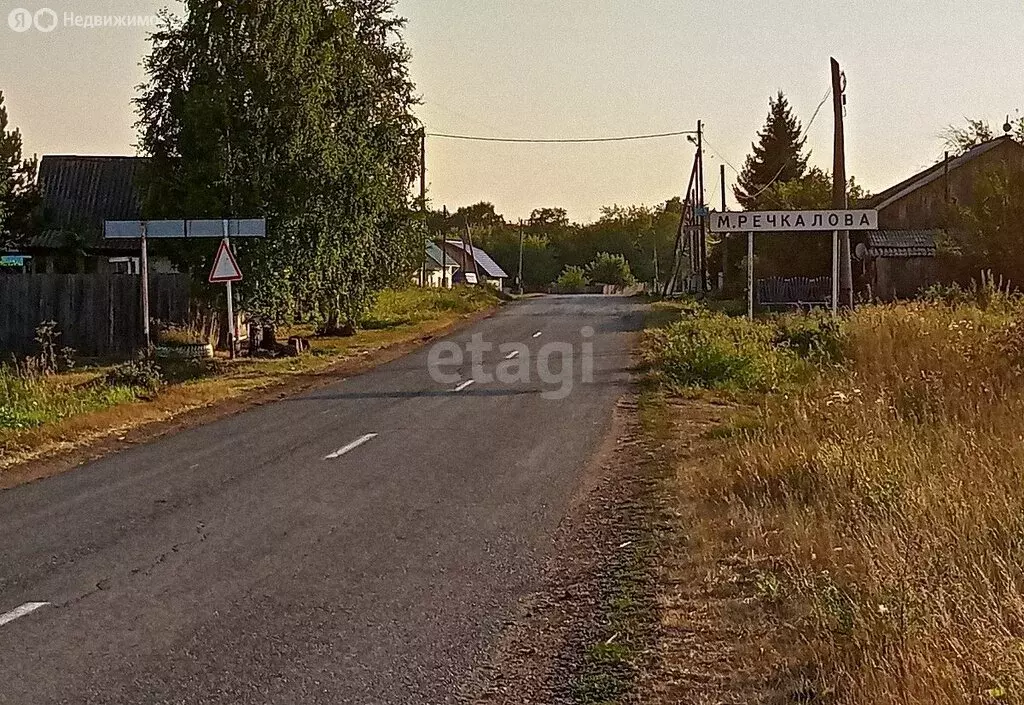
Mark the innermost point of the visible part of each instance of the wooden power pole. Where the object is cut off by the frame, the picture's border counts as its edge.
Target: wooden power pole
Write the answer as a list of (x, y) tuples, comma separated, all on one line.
[(423, 201), (702, 245), (725, 238), (839, 196)]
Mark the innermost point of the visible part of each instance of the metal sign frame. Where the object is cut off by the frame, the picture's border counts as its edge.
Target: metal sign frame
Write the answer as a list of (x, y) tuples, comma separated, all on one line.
[(818, 221), (793, 221), (183, 229)]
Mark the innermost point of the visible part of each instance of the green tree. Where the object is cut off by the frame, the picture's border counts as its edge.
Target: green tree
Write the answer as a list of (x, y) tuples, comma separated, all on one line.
[(549, 218), (300, 111), (960, 139), (572, 280), (18, 194), (987, 233), (778, 155), (812, 191), (610, 269), (478, 215)]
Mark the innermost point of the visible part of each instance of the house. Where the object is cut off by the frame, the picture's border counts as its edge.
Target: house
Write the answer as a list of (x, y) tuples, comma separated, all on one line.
[(896, 264), (920, 202), (78, 194), (438, 269), (488, 270), (899, 259)]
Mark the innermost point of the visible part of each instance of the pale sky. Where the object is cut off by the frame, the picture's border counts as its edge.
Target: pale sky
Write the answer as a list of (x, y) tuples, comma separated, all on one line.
[(595, 68)]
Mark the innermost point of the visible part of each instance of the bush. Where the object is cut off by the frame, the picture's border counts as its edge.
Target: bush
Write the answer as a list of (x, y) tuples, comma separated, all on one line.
[(817, 337), (144, 375), (572, 280), (712, 351), (610, 269)]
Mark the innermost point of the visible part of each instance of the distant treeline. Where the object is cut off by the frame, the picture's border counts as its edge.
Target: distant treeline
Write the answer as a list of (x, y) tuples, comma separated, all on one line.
[(644, 235)]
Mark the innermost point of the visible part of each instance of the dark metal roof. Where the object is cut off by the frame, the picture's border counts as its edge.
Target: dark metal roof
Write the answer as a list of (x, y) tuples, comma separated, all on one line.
[(490, 267), (901, 243), (438, 257), (908, 186), (80, 192)]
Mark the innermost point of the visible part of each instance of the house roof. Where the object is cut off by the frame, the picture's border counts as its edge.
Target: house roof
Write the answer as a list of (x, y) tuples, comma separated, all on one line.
[(490, 267), (80, 192), (901, 243), (908, 186), (435, 255)]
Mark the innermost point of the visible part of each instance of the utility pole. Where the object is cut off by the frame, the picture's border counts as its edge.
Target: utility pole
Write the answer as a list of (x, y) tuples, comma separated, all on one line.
[(839, 196), (472, 252), (520, 277), (657, 274), (423, 199), (702, 246), (725, 239), (444, 248)]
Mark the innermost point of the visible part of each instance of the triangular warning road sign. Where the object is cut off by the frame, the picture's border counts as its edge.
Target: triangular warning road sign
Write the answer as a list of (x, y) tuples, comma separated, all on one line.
[(225, 268)]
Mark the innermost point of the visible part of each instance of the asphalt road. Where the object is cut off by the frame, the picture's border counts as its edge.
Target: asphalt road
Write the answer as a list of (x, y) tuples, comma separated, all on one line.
[(288, 555)]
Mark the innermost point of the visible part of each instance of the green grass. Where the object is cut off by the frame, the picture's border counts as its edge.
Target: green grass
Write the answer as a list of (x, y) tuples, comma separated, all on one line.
[(687, 347), (396, 307), (29, 403)]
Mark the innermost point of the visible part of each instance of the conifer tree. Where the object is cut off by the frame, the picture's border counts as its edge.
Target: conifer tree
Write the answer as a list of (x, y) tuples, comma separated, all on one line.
[(778, 156)]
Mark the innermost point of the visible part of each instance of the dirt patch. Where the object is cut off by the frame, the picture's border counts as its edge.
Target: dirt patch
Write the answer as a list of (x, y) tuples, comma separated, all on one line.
[(83, 439)]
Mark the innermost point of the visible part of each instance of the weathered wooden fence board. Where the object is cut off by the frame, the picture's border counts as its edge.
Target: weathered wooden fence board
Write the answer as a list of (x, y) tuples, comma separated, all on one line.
[(97, 314)]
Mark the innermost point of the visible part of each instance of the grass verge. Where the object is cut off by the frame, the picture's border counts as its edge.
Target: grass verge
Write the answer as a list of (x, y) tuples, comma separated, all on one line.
[(872, 509), (615, 656), (43, 416)]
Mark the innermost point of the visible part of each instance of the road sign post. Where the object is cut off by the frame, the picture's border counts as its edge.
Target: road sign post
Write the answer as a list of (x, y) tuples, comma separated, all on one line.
[(188, 229), (144, 264), (752, 222), (750, 275), (226, 271)]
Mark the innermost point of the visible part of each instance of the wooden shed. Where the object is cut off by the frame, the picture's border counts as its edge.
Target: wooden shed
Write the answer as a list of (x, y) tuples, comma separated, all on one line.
[(897, 264)]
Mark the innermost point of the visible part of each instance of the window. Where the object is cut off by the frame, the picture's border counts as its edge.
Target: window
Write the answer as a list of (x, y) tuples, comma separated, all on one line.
[(125, 265)]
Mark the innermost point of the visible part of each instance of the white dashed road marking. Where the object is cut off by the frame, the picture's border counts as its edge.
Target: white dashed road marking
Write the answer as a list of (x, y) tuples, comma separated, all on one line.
[(27, 608), (464, 385), (351, 446)]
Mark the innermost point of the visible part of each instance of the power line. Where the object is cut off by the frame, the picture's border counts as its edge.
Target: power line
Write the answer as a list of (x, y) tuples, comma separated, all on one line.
[(517, 140)]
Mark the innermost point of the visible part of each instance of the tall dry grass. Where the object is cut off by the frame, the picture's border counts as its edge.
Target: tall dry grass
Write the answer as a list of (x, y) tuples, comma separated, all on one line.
[(886, 500)]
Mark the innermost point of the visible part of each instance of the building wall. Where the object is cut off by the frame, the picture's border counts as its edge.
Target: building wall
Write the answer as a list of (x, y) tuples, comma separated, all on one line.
[(925, 208), (901, 277)]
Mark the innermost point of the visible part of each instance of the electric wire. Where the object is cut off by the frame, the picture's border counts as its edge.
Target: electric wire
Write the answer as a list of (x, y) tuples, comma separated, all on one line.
[(580, 140)]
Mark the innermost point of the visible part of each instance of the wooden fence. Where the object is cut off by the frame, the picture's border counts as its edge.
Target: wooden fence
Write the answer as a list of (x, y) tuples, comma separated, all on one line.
[(96, 314), (796, 291)]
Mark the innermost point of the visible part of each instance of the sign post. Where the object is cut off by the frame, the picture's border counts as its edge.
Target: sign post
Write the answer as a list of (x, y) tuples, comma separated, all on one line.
[(750, 275), (144, 264), (226, 271), (835, 272), (752, 222)]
